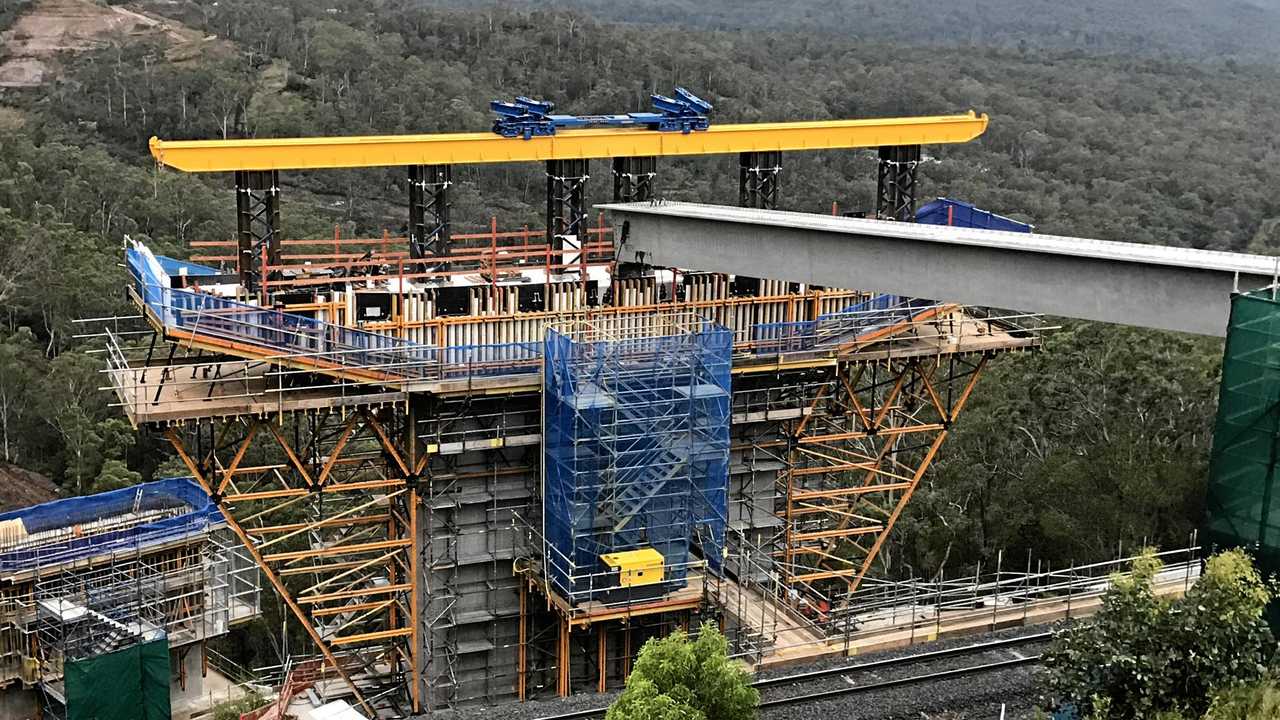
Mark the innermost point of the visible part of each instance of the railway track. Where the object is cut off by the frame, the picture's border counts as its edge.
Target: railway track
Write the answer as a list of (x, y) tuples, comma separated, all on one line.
[(774, 691)]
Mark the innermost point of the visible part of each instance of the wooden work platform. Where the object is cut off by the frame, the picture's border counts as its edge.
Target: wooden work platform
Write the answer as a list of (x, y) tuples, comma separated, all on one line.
[(163, 395), (778, 623), (956, 333), (923, 625), (689, 597)]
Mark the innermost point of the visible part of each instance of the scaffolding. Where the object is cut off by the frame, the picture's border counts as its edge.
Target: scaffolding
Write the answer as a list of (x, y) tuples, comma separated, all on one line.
[(370, 465), (636, 425), (87, 577)]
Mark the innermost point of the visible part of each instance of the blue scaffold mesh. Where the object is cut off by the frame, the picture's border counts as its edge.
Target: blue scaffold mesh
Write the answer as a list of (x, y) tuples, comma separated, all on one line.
[(852, 324), (636, 451), (281, 334), (177, 507)]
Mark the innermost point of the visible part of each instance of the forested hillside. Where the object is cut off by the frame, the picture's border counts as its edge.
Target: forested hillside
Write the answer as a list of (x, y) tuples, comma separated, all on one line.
[(1101, 439), (1183, 28)]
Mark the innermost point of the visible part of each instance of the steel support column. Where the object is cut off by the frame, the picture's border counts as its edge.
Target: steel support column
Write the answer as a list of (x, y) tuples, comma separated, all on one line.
[(758, 179), (896, 182), (601, 657), (257, 225), (429, 210), (562, 658), (633, 178), (566, 203)]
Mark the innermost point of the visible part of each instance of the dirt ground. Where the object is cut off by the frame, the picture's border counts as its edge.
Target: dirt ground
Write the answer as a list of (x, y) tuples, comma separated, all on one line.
[(53, 27), (20, 488)]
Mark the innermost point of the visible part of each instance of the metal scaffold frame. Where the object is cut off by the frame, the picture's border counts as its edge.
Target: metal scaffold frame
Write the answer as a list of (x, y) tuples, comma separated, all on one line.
[(636, 427), (88, 576)]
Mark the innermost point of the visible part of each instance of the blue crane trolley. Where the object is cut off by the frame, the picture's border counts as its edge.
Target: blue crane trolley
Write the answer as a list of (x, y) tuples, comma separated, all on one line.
[(527, 118)]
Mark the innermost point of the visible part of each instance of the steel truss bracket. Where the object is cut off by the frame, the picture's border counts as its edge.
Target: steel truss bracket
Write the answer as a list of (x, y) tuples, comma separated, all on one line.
[(429, 232), (322, 504), (896, 182), (865, 442), (758, 179)]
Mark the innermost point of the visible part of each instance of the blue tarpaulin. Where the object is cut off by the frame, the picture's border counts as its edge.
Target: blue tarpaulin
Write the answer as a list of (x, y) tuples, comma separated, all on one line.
[(197, 514), (957, 213)]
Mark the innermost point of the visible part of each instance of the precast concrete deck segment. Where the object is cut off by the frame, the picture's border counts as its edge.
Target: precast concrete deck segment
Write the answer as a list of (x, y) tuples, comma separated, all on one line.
[(1126, 283), (471, 148)]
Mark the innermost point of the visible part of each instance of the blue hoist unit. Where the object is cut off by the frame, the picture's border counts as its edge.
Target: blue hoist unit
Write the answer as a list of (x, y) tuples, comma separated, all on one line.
[(527, 118)]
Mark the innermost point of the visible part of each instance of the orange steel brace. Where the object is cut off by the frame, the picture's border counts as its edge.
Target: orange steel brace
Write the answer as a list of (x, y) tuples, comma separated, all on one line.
[(915, 480), (230, 471), (270, 573), (415, 565)]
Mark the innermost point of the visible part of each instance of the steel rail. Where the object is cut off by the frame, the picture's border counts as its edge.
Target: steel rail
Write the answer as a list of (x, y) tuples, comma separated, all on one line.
[(899, 682), (873, 665)]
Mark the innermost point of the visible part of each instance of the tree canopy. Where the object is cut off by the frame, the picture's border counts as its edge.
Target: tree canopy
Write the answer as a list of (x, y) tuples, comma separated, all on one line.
[(678, 678), (1144, 654)]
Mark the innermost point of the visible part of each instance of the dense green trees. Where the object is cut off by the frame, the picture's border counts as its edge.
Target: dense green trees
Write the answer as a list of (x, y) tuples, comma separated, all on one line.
[(1148, 656), (1177, 27), (676, 678)]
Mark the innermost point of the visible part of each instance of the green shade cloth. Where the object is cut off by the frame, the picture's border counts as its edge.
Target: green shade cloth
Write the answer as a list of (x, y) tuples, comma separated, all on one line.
[(128, 684)]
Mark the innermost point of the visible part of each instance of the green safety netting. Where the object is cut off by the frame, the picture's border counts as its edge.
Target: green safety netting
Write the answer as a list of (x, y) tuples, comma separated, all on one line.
[(128, 684), (1242, 508)]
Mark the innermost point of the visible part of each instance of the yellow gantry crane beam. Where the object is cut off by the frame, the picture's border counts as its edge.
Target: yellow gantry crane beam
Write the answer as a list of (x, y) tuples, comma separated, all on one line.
[(474, 148)]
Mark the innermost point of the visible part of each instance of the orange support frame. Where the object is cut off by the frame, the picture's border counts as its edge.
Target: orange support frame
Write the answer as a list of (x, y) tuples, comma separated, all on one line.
[(856, 456), (347, 571)]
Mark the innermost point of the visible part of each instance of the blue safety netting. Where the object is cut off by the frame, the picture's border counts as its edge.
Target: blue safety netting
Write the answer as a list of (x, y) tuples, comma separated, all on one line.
[(194, 513), (283, 334), (850, 324), (636, 449)]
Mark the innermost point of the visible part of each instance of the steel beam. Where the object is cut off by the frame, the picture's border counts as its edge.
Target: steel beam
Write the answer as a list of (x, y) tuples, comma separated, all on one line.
[(472, 148), (1126, 283)]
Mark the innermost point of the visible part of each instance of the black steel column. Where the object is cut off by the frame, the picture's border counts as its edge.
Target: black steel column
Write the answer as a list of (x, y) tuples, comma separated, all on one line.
[(758, 176), (566, 201), (429, 210), (257, 224), (633, 178), (896, 182)]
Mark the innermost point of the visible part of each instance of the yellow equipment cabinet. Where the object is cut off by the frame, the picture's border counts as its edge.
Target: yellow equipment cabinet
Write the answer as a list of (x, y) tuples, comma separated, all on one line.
[(636, 567)]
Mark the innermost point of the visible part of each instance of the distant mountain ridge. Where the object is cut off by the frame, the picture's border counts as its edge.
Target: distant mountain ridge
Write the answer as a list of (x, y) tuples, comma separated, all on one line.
[(1205, 29)]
